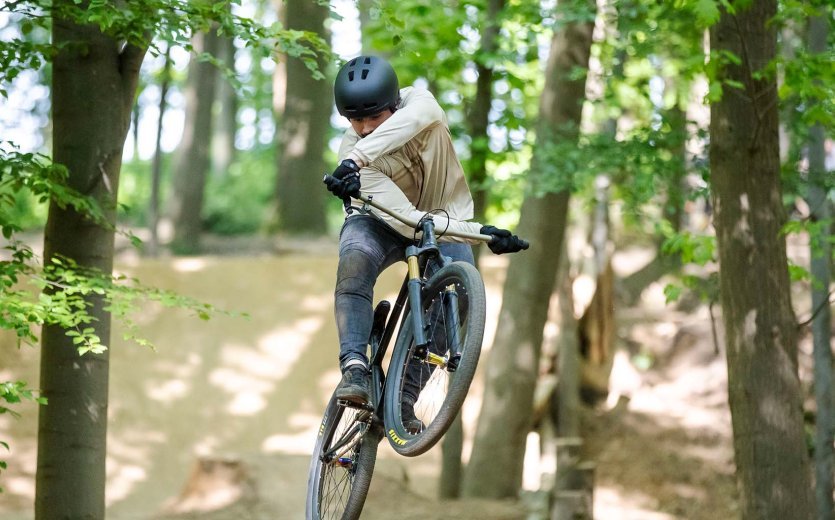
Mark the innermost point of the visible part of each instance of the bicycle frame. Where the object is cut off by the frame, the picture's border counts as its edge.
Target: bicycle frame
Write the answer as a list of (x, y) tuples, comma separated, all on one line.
[(417, 258), (418, 385)]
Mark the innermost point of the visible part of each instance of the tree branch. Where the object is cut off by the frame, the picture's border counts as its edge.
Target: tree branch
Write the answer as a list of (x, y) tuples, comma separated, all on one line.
[(130, 61), (824, 304), (713, 331)]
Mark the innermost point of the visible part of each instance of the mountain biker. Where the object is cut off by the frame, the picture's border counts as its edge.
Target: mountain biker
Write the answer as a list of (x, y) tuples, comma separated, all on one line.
[(399, 150)]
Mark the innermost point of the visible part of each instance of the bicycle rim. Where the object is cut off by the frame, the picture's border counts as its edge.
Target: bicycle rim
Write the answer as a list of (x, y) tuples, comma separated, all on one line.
[(437, 382), (337, 488)]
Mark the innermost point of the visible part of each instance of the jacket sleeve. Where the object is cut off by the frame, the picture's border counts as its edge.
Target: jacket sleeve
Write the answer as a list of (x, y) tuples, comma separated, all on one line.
[(349, 141), (385, 191), (419, 111)]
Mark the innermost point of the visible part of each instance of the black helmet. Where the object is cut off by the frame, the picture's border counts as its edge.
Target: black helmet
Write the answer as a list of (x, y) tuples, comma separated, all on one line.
[(365, 86)]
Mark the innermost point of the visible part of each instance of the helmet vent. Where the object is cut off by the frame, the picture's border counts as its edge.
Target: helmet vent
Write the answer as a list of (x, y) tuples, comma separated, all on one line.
[(368, 60), (350, 75), (364, 73)]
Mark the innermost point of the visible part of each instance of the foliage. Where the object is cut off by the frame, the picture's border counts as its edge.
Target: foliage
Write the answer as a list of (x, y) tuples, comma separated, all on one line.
[(25, 174), (61, 293), (35, 175), (239, 201), (696, 249), (135, 190), (172, 20), (62, 287), (438, 45), (13, 392)]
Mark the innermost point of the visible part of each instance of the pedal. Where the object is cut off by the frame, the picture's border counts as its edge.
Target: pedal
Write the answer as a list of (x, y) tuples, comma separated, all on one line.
[(358, 406)]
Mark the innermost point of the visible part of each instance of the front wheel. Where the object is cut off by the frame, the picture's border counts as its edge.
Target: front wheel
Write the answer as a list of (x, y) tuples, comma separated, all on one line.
[(342, 463), (433, 381)]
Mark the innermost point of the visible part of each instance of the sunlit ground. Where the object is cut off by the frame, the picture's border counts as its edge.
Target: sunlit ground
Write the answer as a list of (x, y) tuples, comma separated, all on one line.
[(256, 387)]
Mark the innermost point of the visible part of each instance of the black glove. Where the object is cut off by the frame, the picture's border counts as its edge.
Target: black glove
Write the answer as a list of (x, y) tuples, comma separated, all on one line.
[(345, 181), (503, 240)]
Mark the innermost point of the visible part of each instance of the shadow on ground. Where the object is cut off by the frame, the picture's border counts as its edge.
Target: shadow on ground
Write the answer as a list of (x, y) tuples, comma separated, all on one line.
[(253, 390)]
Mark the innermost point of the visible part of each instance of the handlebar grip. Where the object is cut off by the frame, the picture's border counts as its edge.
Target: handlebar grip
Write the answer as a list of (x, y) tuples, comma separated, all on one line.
[(525, 243), (346, 202)]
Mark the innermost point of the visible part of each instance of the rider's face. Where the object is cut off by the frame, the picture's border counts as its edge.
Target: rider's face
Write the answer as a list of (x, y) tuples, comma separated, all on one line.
[(365, 125)]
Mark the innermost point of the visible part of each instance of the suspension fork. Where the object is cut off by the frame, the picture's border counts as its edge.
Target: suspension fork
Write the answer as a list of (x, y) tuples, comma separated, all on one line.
[(415, 282), (451, 322), (415, 301)]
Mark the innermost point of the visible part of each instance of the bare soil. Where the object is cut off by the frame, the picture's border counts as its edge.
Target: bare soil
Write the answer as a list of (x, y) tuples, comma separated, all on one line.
[(250, 391)]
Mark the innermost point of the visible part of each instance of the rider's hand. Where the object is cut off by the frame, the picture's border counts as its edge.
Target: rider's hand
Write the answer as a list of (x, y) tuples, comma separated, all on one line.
[(345, 181), (503, 240)]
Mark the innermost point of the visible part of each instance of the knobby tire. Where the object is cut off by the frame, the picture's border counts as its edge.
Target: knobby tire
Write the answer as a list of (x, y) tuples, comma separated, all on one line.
[(338, 491), (442, 392)]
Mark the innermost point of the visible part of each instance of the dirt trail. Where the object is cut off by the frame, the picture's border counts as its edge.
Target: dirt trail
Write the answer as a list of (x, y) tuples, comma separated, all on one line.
[(253, 389)]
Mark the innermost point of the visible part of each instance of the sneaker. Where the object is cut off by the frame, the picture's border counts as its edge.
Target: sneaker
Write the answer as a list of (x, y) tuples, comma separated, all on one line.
[(411, 423), (354, 386)]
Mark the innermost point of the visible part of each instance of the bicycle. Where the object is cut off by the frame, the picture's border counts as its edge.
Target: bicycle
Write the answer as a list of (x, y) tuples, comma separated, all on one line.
[(435, 354)]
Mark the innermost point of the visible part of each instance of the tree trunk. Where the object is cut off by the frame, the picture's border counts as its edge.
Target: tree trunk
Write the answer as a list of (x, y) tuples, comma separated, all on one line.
[(156, 164), (93, 87), (452, 467), (223, 148), (674, 187), (193, 157), (452, 445), (478, 118), (301, 138), (567, 405), (597, 324), (760, 325), (495, 469), (364, 8), (634, 284), (279, 79), (597, 339), (137, 111), (822, 321)]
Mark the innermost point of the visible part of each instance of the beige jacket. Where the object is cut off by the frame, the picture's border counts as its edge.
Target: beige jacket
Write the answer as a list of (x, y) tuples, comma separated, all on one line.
[(411, 166)]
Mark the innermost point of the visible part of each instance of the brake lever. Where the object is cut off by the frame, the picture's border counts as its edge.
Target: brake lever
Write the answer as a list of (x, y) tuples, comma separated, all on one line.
[(346, 201)]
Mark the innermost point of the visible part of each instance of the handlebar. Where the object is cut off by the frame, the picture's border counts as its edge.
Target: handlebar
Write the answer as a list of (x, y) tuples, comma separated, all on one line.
[(369, 200), (415, 224)]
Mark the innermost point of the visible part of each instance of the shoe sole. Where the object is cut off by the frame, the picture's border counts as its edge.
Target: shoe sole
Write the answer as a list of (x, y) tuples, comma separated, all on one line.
[(355, 400)]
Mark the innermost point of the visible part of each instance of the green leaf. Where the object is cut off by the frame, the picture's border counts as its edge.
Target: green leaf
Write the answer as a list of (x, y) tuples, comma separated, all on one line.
[(714, 92), (798, 273), (735, 84), (672, 293), (707, 12)]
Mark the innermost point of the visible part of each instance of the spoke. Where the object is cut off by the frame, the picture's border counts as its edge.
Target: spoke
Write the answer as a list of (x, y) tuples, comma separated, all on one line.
[(335, 497), (337, 479)]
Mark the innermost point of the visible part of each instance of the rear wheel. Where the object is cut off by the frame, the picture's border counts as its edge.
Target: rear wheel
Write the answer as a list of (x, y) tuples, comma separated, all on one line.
[(435, 380), (342, 464)]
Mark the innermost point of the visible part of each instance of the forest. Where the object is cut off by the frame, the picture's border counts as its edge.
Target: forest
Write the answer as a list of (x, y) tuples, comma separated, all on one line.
[(663, 350)]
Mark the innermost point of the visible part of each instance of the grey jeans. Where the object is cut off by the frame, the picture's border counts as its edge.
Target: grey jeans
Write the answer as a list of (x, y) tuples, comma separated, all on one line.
[(367, 246)]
